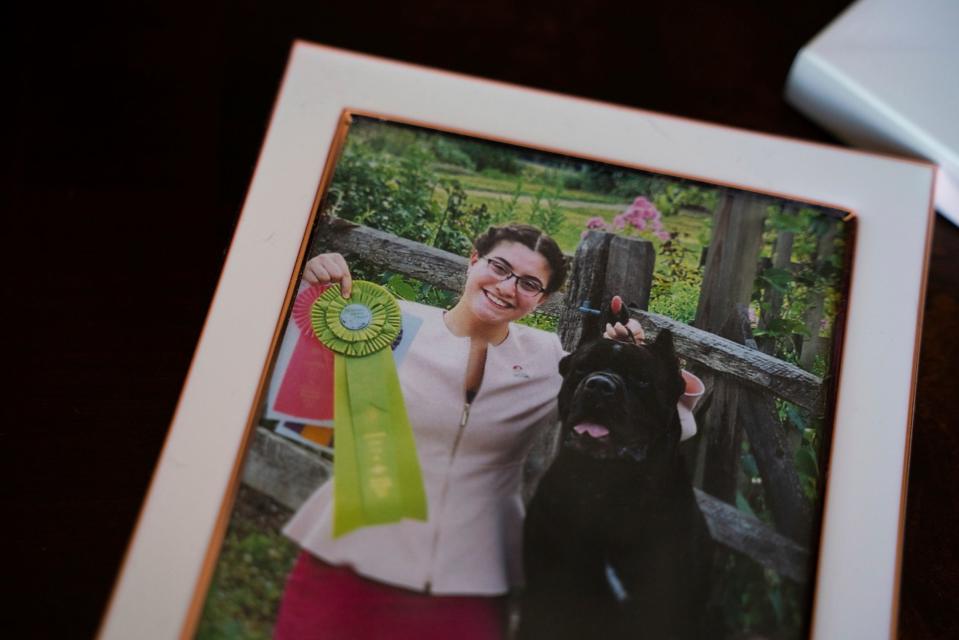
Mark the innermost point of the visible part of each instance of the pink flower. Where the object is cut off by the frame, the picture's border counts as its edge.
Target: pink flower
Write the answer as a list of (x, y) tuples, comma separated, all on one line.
[(619, 221), (595, 223), (663, 235)]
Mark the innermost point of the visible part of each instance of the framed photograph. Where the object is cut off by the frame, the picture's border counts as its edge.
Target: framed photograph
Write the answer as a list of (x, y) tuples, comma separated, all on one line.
[(775, 306)]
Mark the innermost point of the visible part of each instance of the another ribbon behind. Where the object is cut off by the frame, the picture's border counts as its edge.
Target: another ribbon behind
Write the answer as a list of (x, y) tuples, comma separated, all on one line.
[(306, 390), (377, 477)]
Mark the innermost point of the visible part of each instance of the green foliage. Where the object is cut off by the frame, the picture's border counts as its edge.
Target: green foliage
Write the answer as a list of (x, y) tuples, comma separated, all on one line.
[(677, 299), (547, 215), (778, 279), (615, 180), (415, 290), (540, 321), (782, 327), (459, 222), (813, 278), (508, 209), (449, 152), (404, 196), (757, 601), (677, 281), (490, 155), (248, 583), (670, 197)]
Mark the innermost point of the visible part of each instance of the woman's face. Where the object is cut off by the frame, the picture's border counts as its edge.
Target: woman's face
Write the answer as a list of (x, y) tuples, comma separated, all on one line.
[(496, 301)]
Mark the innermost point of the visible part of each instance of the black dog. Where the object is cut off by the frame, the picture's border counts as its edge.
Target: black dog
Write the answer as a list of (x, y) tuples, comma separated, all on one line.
[(615, 545)]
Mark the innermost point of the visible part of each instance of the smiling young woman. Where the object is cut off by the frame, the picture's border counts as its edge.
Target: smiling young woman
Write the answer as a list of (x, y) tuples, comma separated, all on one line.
[(478, 389)]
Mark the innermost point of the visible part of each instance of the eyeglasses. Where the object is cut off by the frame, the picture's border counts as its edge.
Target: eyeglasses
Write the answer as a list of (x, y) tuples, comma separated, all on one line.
[(526, 285)]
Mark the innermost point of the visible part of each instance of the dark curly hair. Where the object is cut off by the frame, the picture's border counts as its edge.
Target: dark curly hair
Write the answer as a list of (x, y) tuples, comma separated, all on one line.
[(531, 237)]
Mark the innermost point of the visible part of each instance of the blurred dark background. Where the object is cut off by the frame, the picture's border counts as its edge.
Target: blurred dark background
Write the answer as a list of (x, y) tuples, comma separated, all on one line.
[(133, 134)]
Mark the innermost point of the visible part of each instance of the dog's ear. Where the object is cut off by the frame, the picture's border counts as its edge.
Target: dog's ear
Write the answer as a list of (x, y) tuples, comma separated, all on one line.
[(665, 352), (663, 346), (564, 365)]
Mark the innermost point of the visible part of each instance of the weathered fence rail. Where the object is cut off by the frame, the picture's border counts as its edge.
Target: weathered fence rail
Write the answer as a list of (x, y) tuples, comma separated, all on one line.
[(289, 473), (718, 354)]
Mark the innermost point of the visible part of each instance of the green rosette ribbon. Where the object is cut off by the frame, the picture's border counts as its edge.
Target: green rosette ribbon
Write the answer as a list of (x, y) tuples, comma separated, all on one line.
[(377, 478)]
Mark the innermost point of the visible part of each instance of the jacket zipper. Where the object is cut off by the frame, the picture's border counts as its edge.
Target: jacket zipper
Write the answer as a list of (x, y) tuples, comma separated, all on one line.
[(464, 418), (471, 384)]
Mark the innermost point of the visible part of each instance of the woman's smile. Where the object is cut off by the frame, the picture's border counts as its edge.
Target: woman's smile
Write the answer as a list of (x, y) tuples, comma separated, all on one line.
[(497, 301)]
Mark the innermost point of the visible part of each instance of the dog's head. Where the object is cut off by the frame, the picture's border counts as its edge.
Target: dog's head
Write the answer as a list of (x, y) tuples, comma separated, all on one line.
[(618, 400)]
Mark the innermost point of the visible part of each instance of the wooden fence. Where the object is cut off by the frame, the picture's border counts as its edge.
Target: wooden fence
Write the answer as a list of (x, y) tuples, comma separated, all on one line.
[(742, 382)]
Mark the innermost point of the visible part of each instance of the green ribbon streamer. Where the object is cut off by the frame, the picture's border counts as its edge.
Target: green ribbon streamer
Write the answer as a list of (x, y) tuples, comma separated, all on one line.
[(377, 477)]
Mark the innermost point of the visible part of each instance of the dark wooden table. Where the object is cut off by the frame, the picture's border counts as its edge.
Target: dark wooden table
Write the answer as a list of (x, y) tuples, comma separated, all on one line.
[(134, 133)]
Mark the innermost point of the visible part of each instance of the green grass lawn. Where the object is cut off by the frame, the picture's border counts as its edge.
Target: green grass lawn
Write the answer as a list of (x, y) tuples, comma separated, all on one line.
[(507, 185)]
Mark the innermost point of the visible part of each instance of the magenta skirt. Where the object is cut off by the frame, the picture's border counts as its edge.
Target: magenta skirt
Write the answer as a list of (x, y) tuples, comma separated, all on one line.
[(332, 603)]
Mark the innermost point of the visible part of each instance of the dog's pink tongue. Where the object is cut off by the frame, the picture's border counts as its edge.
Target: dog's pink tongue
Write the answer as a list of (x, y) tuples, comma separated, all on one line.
[(594, 430)]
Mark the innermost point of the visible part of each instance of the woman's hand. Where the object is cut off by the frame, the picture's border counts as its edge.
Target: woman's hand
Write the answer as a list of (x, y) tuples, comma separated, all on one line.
[(329, 268), (619, 331)]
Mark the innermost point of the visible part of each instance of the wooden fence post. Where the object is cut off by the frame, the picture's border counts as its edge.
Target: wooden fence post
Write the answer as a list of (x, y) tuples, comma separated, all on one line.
[(756, 412), (728, 280), (719, 446), (773, 297), (629, 271), (586, 282), (732, 259), (814, 345), (604, 265)]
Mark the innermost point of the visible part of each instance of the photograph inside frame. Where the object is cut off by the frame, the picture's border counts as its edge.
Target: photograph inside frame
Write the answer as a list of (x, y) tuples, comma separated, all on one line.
[(563, 399)]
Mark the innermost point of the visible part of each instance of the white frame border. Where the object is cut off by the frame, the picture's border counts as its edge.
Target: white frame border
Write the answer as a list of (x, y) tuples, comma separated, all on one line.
[(858, 574)]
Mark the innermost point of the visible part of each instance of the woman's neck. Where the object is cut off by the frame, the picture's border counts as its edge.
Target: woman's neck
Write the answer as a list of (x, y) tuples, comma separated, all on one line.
[(461, 322)]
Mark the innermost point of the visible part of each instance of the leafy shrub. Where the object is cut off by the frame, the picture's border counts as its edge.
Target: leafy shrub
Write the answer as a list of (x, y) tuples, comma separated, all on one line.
[(675, 298), (450, 152), (399, 195), (490, 155), (547, 215)]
